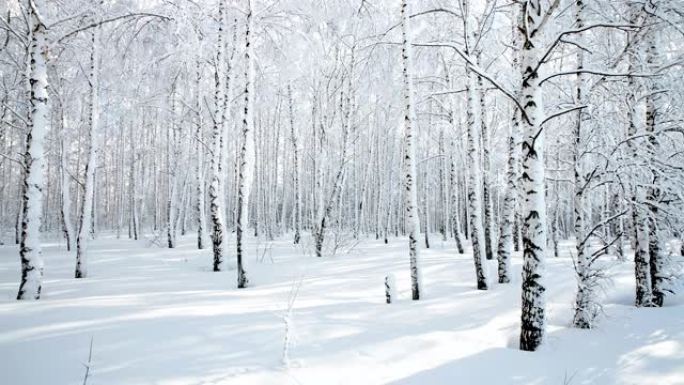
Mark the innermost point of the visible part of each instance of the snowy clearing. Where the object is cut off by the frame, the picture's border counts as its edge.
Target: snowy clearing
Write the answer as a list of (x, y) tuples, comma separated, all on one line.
[(160, 316)]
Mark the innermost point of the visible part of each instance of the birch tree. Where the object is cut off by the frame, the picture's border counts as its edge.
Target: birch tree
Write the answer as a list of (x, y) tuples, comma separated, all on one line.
[(85, 222), (30, 250), (533, 316), (410, 189), (246, 158), (217, 177)]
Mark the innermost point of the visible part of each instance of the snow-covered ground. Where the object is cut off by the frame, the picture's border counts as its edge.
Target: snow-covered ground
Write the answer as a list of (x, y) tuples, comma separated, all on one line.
[(160, 316)]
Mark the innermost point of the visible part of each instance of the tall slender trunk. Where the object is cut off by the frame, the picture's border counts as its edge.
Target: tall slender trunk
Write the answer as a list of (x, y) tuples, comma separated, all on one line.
[(85, 220), (67, 225), (506, 235), (217, 176), (657, 245), (246, 159), (410, 188), (534, 206), (638, 219), (443, 206), (584, 296), (477, 234), (473, 138), (30, 250), (453, 182), (172, 169), (200, 205), (133, 189), (295, 154), (507, 232), (121, 184), (488, 209)]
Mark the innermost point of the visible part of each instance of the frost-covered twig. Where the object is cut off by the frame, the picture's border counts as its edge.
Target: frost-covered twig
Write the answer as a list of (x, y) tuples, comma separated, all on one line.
[(88, 364), (568, 380), (261, 253), (287, 319)]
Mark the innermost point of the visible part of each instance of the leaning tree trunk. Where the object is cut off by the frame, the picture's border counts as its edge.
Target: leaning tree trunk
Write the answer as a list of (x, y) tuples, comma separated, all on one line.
[(85, 220), (410, 189), (32, 201), (246, 159), (534, 206), (328, 204)]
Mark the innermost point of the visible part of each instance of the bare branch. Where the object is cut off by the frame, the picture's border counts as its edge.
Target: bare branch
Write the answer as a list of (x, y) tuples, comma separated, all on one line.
[(111, 20), (594, 72), (476, 68), (561, 112), (559, 38)]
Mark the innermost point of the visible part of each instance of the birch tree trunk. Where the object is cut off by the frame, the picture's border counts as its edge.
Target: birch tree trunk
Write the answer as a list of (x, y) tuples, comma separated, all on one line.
[(215, 196), (68, 226), (133, 189), (246, 162), (534, 206), (474, 183), (505, 246), (172, 157), (473, 138), (30, 251), (639, 220), (656, 246), (200, 206), (410, 189), (295, 154), (488, 209), (508, 209), (443, 189), (453, 181), (85, 220), (583, 312), (121, 184)]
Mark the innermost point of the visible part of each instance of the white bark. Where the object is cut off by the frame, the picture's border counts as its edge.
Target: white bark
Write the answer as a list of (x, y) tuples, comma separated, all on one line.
[(657, 245), (66, 195), (85, 220), (474, 183), (533, 317), (246, 158), (508, 209), (585, 310), (297, 213), (410, 189), (30, 250), (217, 177), (638, 218)]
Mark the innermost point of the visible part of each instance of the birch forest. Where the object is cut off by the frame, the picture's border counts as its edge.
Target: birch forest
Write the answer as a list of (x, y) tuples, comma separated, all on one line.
[(342, 191)]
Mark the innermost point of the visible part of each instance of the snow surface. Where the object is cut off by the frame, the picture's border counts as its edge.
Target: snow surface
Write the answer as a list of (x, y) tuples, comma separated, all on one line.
[(161, 316)]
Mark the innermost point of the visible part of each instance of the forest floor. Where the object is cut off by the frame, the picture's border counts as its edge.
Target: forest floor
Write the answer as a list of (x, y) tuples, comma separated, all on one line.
[(160, 316)]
